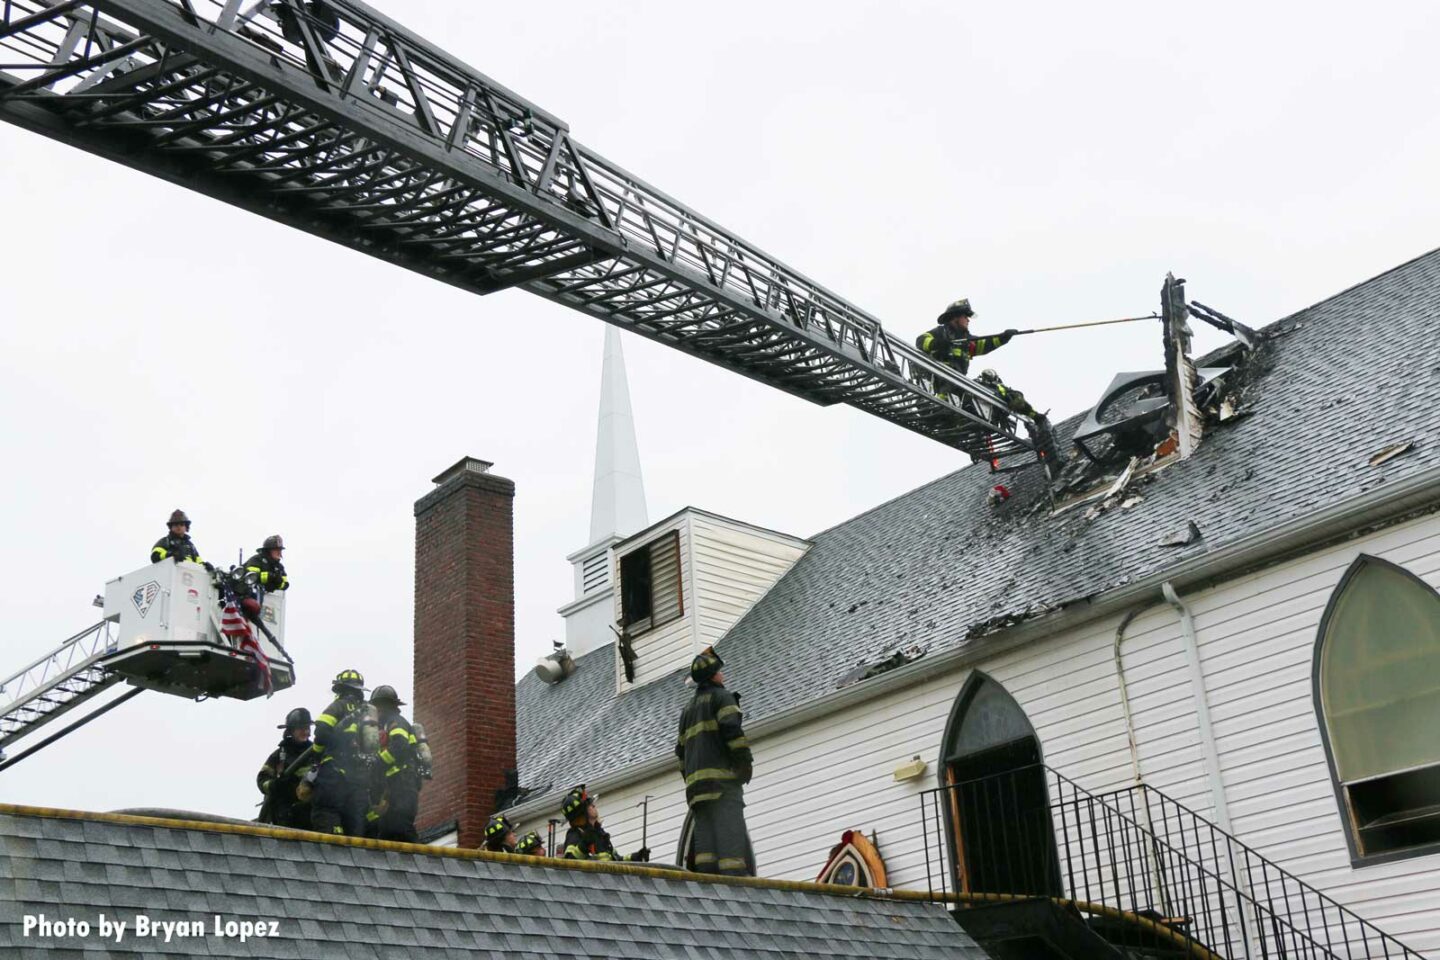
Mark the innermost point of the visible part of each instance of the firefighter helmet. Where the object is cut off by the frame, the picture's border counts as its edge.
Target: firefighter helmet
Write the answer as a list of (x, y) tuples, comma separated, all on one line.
[(960, 308), (349, 680), (385, 696), (498, 826), (178, 517), (990, 377), (273, 542), (706, 664), (530, 845), (575, 803), (299, 717)]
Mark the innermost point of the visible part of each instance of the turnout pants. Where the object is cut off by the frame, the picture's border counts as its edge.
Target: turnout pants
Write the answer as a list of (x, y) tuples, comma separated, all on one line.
[(398, 820), (338, 805), (719, 842)]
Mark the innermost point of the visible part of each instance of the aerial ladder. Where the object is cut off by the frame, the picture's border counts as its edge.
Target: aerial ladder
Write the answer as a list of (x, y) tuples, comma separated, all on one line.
[(163, 628), (329, 117)]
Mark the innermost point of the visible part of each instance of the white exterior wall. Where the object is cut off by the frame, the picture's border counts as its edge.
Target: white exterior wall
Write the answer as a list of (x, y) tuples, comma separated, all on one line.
[(725, 567), (1256, 637), (733, 567)]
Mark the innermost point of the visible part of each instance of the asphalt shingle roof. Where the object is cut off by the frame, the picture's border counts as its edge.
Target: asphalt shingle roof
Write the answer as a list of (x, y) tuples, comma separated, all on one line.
[(356, 903), (1329, 387)]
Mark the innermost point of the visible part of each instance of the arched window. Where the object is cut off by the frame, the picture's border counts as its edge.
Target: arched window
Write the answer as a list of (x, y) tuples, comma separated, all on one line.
[(1377, 690)]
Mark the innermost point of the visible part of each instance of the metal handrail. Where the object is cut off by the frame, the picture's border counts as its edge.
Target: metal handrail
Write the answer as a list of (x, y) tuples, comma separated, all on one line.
[(1139, 852)]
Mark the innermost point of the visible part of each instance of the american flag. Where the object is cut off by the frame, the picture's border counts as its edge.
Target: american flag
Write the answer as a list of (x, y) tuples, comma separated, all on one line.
[(234, 625)]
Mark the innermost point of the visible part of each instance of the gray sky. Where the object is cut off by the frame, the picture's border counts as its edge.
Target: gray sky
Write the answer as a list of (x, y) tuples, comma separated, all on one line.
[(159, 349)]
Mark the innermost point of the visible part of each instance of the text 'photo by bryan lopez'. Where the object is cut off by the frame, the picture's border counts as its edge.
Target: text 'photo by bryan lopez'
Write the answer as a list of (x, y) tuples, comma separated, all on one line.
[(142, 927)]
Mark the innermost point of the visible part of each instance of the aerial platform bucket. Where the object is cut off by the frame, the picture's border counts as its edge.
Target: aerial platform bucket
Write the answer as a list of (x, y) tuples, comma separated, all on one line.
[(169, 637)]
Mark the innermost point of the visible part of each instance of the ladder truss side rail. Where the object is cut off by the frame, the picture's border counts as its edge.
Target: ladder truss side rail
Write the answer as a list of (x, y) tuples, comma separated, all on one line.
[(90, 644), (524, 172), (14, 724)]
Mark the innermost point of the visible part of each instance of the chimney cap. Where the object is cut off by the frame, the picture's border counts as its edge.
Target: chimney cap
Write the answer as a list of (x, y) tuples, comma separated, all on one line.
[(461, 466)]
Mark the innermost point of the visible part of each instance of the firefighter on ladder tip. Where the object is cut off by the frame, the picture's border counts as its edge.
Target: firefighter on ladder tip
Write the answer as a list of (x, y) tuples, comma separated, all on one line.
[(716, 761), (951, 344), (176, 545), (285, 777), (586, 839), (266, 565)]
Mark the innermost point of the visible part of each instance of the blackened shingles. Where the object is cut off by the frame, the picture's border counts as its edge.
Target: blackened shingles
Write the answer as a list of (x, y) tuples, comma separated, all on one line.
[(1296, 453)]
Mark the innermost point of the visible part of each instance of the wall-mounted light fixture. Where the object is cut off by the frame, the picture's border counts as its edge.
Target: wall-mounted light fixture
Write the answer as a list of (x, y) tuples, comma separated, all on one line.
[(911, 770)]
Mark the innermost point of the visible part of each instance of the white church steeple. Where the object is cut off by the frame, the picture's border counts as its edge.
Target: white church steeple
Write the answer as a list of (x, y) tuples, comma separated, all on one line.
[(617, 507)]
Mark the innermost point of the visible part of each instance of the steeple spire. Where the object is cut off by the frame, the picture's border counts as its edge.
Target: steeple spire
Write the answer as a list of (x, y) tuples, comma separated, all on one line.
[(617, 506)]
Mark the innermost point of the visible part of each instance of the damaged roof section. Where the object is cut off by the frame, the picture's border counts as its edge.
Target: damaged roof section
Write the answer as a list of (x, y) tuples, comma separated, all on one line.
[(1301, 416)]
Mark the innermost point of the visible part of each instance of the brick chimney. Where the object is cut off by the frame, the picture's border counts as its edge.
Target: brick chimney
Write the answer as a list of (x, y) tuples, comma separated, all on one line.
[(465, 643)]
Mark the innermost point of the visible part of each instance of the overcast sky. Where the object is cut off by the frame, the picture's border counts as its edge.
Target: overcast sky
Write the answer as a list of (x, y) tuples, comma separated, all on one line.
[(159, 349)]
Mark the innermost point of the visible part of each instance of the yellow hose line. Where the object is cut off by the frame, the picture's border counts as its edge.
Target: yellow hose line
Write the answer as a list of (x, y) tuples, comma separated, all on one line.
[(1197, 950)]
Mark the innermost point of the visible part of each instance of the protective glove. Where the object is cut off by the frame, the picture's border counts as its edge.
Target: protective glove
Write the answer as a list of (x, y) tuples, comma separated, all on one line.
[(209, 567), (746, 772), (1008, 335), (640, 856)]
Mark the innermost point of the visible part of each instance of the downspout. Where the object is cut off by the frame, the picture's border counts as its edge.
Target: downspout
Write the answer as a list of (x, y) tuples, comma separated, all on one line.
[(1125, 695), (1211, 754), (1157, 880), (1202, 707)]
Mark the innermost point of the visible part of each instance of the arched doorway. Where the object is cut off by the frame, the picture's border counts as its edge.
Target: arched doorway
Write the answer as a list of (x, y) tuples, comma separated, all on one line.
[(1002, 833)]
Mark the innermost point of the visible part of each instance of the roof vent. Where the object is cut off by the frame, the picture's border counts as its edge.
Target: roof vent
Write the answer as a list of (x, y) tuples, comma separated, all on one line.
[(557, 666)]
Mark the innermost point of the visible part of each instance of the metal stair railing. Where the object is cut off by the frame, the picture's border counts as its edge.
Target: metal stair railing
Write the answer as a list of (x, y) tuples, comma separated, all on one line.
[(336, 120), (1129, 867), (1323, 918), (56, 683)]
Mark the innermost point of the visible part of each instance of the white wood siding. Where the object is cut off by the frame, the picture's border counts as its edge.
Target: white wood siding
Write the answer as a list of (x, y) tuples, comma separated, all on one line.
[(733, 568), (725, 567), (1256, 638)]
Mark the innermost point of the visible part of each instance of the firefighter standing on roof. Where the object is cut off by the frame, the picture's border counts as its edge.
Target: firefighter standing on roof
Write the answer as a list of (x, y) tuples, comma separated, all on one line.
[(266, 565), (398, 771), (716, 762), (586, 839), (287, 794), (952, 345), (176, 545), (341, 788)]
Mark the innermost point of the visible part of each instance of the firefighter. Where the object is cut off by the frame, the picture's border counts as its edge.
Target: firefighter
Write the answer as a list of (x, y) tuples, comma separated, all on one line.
[(1015, 401), (951, 344), (176, 544), (586, 839), (269, 572), (398, 771), (716, 762), (500, 835), (341, 781), (287, 794), (531, 846)]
